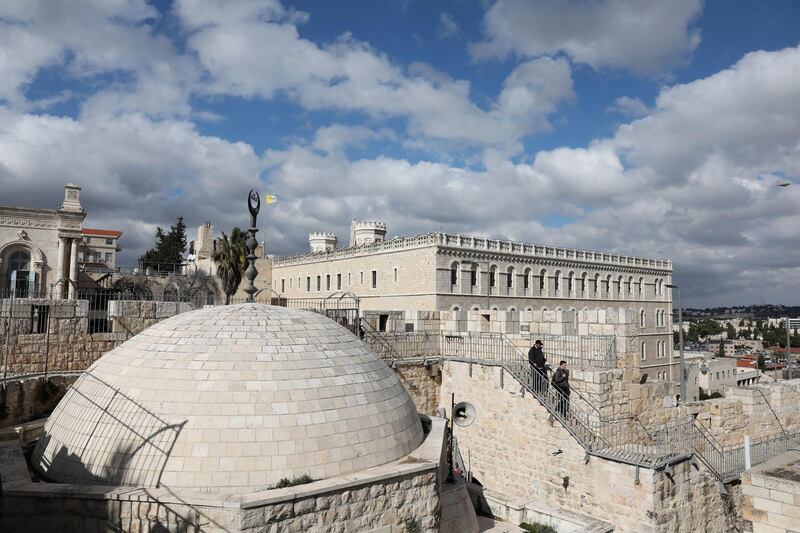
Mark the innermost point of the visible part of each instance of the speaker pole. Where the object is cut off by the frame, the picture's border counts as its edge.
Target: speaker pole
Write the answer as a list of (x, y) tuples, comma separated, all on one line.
[(451, 478)]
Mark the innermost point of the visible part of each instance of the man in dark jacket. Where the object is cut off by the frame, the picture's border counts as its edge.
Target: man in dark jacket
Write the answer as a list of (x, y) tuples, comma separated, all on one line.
[(561, 383), (538, 362)]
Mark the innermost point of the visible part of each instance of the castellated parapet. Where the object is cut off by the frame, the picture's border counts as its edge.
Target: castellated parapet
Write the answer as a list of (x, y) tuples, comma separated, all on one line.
[(322, 241), (366, 232)]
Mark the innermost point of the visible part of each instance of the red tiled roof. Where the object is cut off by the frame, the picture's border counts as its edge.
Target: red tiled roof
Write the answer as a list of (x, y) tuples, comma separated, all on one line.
[(103, 232), (783, 350)]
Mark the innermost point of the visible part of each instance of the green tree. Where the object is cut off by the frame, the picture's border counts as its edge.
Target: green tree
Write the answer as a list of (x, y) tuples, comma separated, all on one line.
[(231, 260), (730, 330), (761, 363), (167, 254), (721, 349)]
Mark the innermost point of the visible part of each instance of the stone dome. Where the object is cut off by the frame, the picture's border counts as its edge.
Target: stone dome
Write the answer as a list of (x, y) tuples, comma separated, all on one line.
[(230, 399)]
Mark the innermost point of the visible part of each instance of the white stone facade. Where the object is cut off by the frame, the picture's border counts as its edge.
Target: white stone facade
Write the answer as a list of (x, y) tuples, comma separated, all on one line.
[(442, 272), (39, 247)]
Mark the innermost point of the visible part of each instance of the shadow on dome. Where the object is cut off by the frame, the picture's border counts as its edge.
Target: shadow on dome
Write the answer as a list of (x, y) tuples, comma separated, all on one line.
[(150, 451)]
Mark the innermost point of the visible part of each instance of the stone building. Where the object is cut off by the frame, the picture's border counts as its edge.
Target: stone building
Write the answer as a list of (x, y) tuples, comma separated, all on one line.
[(98, 250), (39, 247), (441, 271)]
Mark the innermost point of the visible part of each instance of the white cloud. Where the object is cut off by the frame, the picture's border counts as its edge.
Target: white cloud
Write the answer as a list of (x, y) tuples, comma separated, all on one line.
[(448, 27), (349, 75), (630, 107), (641, 35), (135, 172), (88, 38)]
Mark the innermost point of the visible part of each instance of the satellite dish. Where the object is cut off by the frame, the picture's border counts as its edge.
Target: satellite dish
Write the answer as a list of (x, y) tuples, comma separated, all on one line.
[(463, 414)]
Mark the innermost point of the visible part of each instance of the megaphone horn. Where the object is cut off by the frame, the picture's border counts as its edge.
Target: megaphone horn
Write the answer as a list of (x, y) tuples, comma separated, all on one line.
[(463, 414)]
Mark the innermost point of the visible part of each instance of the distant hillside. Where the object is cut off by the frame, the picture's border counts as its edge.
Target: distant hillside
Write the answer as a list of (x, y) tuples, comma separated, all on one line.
[(744, 311)]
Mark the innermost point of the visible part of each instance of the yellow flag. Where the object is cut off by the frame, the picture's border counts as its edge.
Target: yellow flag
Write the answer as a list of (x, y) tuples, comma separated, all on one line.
[(269, 199)]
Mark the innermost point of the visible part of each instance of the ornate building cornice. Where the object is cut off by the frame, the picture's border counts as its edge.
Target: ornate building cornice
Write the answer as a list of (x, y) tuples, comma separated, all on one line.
[(470, 247)]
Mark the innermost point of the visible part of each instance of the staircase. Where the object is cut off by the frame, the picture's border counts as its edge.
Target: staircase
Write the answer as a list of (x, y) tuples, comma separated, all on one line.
[(622, 439)]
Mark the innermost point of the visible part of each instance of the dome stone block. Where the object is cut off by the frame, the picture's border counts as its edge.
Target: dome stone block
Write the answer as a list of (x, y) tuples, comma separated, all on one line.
[(230, 399)]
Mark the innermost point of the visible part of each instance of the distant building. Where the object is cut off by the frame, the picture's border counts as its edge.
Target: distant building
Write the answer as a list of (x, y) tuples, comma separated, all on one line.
[(39, 247), (728, 347), (448, 272), (98, 250), (712, 374)]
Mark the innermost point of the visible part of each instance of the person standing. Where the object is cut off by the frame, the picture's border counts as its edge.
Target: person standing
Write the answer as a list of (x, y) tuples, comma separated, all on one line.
[(561, 383), (538, 362)]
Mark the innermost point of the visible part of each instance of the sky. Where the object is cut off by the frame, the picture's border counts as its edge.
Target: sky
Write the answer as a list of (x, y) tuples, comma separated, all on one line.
[(641, 127)]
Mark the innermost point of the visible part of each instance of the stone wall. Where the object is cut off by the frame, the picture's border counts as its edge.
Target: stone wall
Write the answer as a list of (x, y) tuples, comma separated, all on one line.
[(511, 448), (422, 383), (772, 495), (32, 398), (393, 498), (66, 344)]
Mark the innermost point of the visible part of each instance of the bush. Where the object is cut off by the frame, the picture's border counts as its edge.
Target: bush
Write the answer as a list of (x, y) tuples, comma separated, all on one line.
[(286, 482), (537, 527)]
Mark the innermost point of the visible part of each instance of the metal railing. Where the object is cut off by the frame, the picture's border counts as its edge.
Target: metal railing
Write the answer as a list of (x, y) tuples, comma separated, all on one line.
[(584, 352), (621, 439)]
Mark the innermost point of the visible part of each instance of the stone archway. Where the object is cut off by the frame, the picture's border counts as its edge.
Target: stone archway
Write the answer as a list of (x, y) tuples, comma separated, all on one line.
[(22, 256)]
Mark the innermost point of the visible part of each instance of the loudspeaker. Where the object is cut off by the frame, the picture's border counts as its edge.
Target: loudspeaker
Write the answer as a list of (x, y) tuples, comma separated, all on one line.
[(463, 414)]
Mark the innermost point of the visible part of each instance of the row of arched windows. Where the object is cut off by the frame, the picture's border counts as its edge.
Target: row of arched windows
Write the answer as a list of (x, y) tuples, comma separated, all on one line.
[(661, 349), (558, 284), (661, 318)]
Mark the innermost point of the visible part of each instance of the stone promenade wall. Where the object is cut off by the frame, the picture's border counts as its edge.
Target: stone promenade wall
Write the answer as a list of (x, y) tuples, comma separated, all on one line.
[(512, 449), (772, 495), (31, 398), (422, 383), (398, 497), (66, 344)]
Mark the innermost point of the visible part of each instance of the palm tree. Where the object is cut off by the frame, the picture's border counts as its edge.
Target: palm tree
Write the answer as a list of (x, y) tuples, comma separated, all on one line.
[(231, 260)]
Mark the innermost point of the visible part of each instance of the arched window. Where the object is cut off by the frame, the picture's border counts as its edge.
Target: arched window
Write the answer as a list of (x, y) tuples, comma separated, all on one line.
[(543, 282), (512, 309), (526, 281), (584, 279), (571, 283), (495, 308), (596, 285), (557, 284), (476, 308), (619, 288), (473, 275), (630, 286), (641, 287), (493, 276), (608, 292), (20, 261), (455, 307), (453, 274), (510, 279), (642, 318), (644, 351)]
